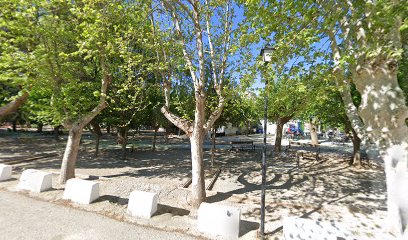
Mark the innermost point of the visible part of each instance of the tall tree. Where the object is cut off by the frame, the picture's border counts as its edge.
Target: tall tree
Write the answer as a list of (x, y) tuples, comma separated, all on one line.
[(203, 29), (84, 44), (365, 42)]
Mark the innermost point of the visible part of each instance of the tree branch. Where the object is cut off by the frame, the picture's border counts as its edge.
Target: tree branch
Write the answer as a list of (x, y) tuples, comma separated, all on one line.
[(215, 114), (200, 49), (12, 106), (181, 123), (226, 44), (344, 88), (106, 79), (213, 65), (186, 55)]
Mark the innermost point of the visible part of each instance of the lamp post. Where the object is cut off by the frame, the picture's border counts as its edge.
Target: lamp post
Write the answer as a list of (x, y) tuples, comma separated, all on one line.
[(266, 57)]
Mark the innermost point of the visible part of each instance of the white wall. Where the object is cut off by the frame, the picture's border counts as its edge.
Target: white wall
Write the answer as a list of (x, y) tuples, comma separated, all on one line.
[(271, 127)]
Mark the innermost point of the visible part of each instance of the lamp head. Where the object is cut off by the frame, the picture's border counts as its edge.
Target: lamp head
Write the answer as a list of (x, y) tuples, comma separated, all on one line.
[(266, 53)]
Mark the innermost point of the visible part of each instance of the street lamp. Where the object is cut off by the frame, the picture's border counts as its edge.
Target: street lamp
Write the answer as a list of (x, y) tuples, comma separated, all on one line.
[(266, 54)]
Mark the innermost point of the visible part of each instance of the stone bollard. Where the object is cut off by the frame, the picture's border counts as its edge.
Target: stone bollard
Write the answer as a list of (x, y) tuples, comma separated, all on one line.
[(142, 204), (220, 220), (301, 228), (5, 172), (81, 191), (35, 180)]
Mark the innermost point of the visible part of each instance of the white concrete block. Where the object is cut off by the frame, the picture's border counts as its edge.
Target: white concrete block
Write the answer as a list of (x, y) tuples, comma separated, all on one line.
[(301, 228), (220, 220), (35, 180), (5, 172), (142, 204), (81, 191)]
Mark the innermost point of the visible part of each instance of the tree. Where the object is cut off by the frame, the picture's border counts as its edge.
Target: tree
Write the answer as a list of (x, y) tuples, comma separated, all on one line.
[(286, 98), (291, 93), (128, 100), (18, 42), (152, 115), (372, 61), (330, 110), (240, 110), (365, 42), (200, 38), (83, 44)]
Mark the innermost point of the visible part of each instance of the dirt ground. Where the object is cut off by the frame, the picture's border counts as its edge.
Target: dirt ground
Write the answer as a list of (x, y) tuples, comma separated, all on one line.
[(327, 190)]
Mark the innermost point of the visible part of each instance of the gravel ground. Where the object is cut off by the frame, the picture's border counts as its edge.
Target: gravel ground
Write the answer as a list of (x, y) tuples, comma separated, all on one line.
[(327, 190), (19, 220)]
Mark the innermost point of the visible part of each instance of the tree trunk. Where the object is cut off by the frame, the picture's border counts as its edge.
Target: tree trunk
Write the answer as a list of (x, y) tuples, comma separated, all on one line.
[(97, 141), (213, 146), (12, 106), (76, 128), (278, 136), (122, 139), (356, 149), (56, 132), (166, 134), (155, 137), (96, 130), (384, 113), (279, 133), (15, 125), (40, 127), (356, 158), (344, 87), (108, 129), (313, 133), (198, 194), (70, 154)]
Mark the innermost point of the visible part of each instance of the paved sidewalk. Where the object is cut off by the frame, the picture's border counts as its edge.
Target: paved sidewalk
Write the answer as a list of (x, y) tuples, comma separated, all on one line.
[(22, 217)]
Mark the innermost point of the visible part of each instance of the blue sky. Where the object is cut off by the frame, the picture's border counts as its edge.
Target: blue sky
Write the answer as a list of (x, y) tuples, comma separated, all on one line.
[(322, 45)]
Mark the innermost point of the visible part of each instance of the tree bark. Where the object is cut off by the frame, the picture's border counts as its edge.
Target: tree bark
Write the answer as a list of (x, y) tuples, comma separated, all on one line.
[(313, 133), (384, 113), (96, 129), (155, 137), (71, 152), (56, 132), (279, 133), (356, 149), (166, 134), (12, 106), (15, 125), (213, 146), (198, 194), (40, 127), (356, 158), (122, 139)]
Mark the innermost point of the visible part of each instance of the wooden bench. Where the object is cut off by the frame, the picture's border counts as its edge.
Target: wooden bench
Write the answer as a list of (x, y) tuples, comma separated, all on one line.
[(306, 148), (242, 145)]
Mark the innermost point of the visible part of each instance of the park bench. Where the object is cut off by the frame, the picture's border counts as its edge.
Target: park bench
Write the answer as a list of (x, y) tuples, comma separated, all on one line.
[(306, 148), (242, 145)]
